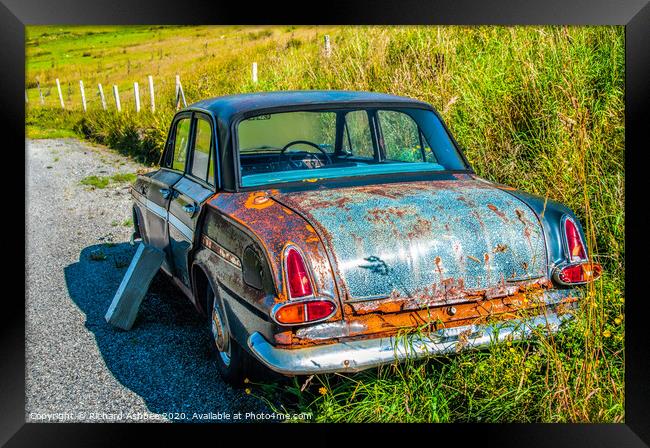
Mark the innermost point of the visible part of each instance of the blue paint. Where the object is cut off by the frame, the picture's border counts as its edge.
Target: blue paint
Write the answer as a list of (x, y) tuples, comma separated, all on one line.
[(386, 239), (359, 169)]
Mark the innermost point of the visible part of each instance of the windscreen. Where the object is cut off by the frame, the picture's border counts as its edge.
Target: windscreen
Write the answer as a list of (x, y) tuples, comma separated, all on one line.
[(306, 145)]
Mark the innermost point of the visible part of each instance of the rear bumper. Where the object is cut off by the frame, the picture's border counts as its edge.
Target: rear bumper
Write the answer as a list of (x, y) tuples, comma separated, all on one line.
[(354, 356)]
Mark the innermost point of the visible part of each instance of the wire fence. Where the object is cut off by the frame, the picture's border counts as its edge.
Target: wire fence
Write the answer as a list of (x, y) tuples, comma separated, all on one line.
[(137, 96)]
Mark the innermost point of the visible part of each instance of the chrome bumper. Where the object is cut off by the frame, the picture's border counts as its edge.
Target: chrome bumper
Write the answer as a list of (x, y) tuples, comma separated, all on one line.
[(354, 356)]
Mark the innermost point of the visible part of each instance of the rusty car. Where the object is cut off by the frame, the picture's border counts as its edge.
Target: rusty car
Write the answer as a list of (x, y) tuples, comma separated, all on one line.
[(334, 231)]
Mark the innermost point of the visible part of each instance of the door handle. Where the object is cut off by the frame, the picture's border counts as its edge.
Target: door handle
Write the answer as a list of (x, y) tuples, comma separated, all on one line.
[(190, 209), (165, 192)]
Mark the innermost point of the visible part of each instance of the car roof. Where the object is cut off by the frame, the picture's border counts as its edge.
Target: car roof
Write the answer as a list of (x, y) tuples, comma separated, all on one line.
[(230, 105)]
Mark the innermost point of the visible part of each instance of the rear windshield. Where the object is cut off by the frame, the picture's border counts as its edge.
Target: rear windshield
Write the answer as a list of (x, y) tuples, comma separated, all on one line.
[(307, 145)]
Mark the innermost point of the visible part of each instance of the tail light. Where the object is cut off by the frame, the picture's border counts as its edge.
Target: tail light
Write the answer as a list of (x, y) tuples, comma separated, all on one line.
[(308, 308), (577, 273), (297, 275), (575, 246), (292, 313)]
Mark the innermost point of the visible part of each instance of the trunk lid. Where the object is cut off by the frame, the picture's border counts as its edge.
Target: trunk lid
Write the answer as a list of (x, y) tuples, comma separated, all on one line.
[(427, 242)]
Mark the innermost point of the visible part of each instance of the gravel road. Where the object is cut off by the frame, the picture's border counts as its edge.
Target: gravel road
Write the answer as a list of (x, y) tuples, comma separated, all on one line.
[(79, 368)]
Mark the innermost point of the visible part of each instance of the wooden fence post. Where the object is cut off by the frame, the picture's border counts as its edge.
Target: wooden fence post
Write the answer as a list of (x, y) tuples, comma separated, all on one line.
[(26, 99), (151, 94), (58, 87), (40, 94), (328, 48), (136, 94), (179, 93), (116, 94), (254, 73), (101, 96), (83, 94)]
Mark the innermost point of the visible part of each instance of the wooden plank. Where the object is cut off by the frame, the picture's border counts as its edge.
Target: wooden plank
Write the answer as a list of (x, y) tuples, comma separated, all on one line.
[(136, 95), (83, 94), (126, 303), (151, 94), (40, 93), (58, 87), (328, 48), (116, 94), (254, 72), (101, 95)]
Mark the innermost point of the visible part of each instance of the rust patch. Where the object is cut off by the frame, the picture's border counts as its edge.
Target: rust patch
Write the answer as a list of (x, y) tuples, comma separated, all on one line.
[(258, 200), (387, 318), (498, 212), (500, 248)]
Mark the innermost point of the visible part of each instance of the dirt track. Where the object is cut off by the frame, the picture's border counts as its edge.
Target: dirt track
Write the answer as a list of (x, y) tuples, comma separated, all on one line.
[(78, 368)]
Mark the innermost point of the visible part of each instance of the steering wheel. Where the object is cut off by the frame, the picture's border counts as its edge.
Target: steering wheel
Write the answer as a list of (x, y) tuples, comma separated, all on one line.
[(305, 142)]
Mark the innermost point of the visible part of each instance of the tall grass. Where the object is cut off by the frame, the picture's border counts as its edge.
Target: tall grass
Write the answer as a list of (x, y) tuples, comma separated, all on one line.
[(538, 108)]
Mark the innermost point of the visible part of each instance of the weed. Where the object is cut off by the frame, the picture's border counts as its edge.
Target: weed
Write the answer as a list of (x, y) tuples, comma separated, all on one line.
[(95, 181)]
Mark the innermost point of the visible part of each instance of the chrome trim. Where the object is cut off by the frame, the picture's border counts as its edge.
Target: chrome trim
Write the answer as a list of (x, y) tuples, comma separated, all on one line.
[(222, 252), (181, 227), (565, 243), (558, 267), (155, 208), (357, 355), (285, 275), (304, 300)]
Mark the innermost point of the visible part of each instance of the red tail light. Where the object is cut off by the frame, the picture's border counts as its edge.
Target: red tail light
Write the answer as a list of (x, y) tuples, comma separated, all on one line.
[(579, 273), (297, 275), (576, 248), (290, 313)]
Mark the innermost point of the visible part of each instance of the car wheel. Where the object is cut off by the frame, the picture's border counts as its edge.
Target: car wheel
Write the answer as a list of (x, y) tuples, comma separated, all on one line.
[(233, 362)]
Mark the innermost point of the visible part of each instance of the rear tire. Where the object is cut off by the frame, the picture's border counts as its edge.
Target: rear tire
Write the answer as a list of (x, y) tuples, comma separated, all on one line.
[(233, 362)]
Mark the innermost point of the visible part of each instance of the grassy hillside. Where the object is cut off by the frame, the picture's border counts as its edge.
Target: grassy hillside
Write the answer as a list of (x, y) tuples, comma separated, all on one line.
[(538, 108)]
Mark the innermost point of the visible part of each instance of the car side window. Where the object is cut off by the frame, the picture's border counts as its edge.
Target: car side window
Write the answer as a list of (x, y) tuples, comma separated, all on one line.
[(201, 163), (357, 139), (402, 139), (181, 142)]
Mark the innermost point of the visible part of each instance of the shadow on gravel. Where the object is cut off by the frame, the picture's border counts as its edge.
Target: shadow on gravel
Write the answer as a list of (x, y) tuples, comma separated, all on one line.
[(166, 357)]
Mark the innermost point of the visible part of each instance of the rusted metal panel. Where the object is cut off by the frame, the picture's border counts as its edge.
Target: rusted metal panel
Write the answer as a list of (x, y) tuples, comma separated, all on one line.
[(377, 323), (274, 226), (433, 242)]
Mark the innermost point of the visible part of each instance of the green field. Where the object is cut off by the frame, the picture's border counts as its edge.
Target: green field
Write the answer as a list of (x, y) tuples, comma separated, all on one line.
[(538, 108)]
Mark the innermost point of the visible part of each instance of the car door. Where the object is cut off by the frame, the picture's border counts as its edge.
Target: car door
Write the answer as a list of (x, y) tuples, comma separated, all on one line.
[(158, 189), (191, 192)]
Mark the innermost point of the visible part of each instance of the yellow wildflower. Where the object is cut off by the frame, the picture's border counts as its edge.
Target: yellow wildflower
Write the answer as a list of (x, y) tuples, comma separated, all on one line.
[(248, 391), (607, 333), (512, 349), (618, 321), (246, 380), (322, 390)]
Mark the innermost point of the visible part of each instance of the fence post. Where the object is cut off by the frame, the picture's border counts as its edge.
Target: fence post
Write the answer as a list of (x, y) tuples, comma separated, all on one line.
[(116, 94), (151, 95), (136, 94), (254, 73), (26, 99), (179, 93), (83, 94), (101, 96), (40, 94), (328, 48), (58, 87)]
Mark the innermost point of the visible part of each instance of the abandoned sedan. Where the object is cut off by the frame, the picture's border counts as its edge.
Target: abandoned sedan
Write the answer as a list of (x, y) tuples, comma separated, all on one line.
[(332, 231)]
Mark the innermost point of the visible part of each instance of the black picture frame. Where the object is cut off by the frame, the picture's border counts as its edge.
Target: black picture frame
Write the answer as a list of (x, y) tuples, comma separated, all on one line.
[(634, 14)]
